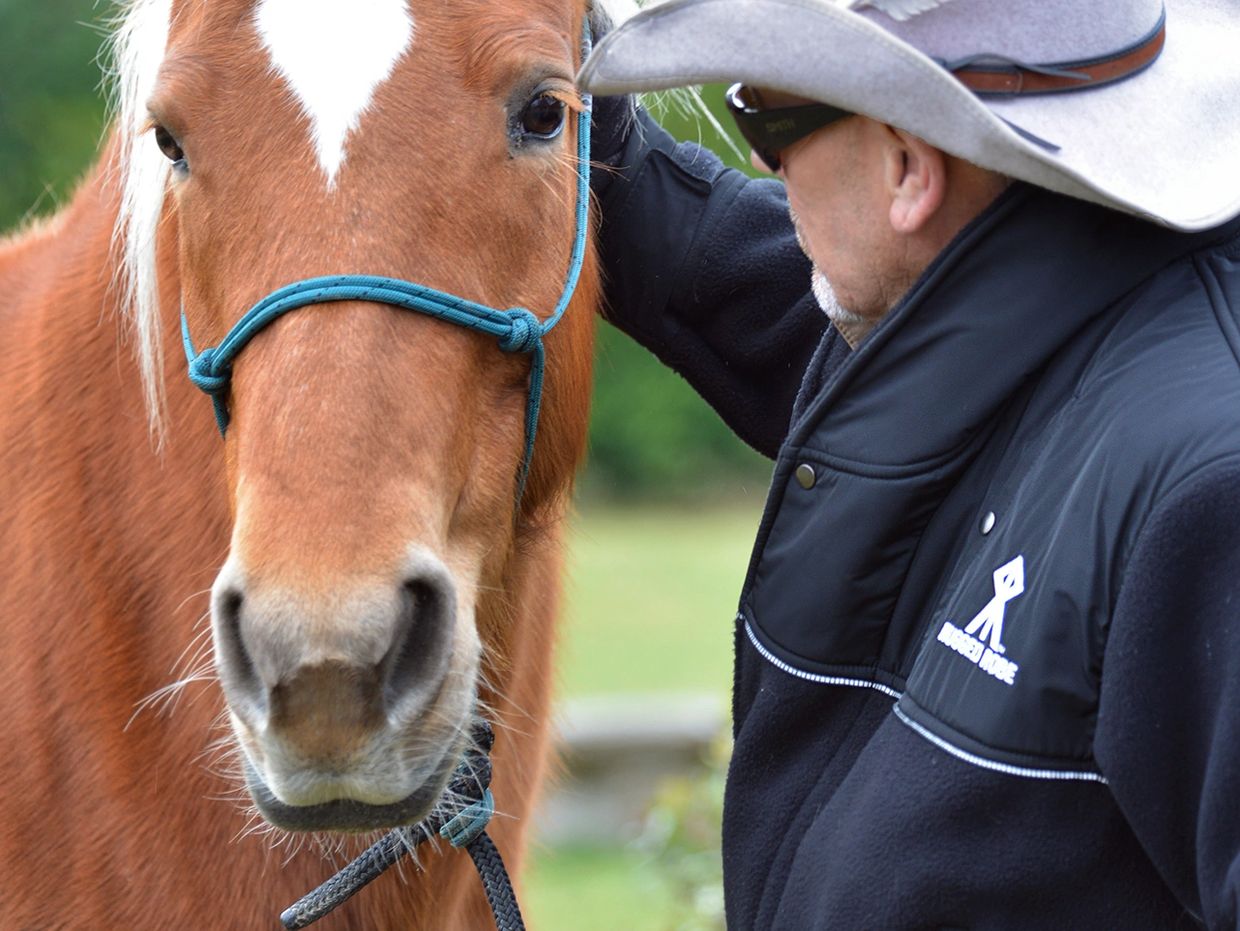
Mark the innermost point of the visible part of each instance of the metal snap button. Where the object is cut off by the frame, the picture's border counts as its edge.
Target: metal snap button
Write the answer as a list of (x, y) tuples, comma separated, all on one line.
[(988, 522), (806, 475)]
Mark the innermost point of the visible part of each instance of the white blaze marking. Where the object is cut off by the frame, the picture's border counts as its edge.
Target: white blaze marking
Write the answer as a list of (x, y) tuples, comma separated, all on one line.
[(333, 56)]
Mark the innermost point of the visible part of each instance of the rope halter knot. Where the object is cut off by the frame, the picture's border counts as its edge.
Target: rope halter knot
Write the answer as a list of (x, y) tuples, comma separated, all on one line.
[(206, 376), (525, 333)]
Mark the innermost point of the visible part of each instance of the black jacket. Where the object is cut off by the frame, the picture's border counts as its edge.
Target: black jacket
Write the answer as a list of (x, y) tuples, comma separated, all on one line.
[(988, 661)]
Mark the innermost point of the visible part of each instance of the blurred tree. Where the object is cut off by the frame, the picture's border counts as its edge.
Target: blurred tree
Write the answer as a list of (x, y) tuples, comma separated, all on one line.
[(650, 434), (51, 110)]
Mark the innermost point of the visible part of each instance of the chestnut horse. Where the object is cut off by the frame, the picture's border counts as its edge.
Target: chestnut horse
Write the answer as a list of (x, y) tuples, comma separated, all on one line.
[(376, 578)]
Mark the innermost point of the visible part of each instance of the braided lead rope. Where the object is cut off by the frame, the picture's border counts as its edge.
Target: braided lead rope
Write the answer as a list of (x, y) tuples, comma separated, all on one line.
[(496, 884), (466, 828), (517, 329), (337, 890)]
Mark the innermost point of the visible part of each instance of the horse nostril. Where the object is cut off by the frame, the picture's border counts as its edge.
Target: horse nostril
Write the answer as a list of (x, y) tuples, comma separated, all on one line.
[(236, 667), (414, 663)]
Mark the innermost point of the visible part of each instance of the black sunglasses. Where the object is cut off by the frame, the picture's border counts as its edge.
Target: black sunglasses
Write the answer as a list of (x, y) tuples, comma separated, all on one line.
[(770, 129)]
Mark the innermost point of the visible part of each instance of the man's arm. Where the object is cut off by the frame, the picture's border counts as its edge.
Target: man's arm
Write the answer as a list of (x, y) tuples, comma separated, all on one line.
[(702, 268), (1168, 736)]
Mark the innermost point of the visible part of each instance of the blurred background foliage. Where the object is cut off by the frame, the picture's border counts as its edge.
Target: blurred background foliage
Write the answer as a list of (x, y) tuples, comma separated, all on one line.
[(51, 107), (52, 120)]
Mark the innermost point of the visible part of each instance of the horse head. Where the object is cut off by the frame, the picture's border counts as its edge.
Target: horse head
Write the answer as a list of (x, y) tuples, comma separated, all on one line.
[(373, 457)]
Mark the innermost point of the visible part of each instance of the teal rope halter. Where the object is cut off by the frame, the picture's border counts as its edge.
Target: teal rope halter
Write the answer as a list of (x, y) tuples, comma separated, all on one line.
[(517, 329)]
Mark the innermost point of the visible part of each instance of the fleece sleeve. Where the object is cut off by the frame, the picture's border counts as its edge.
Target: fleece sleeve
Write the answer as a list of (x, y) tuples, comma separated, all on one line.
[(702, 268), (1168, 737)]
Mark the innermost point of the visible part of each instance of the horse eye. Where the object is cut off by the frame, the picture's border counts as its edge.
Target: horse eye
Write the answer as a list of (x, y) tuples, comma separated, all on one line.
[(170, 147), (543, 116)]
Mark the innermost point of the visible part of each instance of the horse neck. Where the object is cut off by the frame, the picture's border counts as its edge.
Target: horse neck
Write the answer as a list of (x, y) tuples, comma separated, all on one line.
[(76, 435)]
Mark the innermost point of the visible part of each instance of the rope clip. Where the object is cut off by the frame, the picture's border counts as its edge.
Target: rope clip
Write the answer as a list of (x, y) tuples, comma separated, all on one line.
[(469, 821)]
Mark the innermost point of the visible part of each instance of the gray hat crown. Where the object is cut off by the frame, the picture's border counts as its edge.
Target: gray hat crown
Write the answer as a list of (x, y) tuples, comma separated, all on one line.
[(1034, 31)]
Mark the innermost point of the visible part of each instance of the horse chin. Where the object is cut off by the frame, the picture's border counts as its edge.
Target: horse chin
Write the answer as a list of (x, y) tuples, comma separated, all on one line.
[(346, 815)]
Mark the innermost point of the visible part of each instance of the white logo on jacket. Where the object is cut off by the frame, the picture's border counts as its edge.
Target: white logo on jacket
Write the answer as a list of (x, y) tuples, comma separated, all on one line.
[(1009, 582)]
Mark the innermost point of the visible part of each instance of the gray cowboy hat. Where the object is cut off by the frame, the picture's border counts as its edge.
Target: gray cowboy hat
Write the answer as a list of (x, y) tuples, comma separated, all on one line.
[(1127, 103)]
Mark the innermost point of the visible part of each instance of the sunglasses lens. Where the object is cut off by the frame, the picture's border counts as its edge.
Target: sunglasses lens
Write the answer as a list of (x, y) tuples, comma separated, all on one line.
[(745, 105), (768, 130), (745, 97)]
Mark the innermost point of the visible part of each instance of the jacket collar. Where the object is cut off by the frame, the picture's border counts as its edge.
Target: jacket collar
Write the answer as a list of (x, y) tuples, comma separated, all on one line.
[(1012, 288)]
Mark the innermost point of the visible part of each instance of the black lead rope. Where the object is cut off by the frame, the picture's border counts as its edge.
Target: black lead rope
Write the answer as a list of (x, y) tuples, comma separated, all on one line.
[(464, 828)]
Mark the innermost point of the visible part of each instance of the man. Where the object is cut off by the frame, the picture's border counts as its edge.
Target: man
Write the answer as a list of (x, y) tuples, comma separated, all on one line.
[(986, 651)]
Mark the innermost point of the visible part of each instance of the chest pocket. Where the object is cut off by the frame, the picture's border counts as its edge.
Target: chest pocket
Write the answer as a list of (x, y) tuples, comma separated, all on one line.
[(1008, 669), (832, 561)]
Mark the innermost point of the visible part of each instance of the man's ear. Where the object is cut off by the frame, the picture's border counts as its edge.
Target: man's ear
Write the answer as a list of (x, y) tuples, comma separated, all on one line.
[(916, 180)]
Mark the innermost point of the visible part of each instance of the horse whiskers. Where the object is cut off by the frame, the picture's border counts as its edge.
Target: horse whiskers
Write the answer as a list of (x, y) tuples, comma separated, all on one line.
[(293, 844), (190, 597), (196, 643), (500, 719), (166, 697), (198, 667), (501, 722), (232, 795), (237, 791), (489, 710), (255, 825), (223, 746), (497, 590), (224, 758), (335, 849)]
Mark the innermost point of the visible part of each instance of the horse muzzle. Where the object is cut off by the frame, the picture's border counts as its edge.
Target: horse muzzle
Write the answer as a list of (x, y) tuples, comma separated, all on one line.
[(350, 709)]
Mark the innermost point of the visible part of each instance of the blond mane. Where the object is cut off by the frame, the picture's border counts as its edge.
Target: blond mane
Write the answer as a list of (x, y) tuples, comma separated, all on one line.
[(137, 50)]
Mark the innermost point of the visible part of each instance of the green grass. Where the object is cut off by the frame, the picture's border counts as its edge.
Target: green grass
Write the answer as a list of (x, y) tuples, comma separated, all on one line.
[(651, 600), (595, 888), (651, 597)]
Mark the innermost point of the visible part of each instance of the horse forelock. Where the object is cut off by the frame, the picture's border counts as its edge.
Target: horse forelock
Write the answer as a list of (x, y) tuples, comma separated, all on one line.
[(138, 45)]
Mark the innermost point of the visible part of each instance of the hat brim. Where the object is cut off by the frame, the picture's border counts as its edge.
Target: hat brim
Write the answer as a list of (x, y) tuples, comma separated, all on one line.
[(1163, 144)]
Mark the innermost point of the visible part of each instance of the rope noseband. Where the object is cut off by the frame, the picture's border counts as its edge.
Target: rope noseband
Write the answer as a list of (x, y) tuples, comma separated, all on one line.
[(516, 329)]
